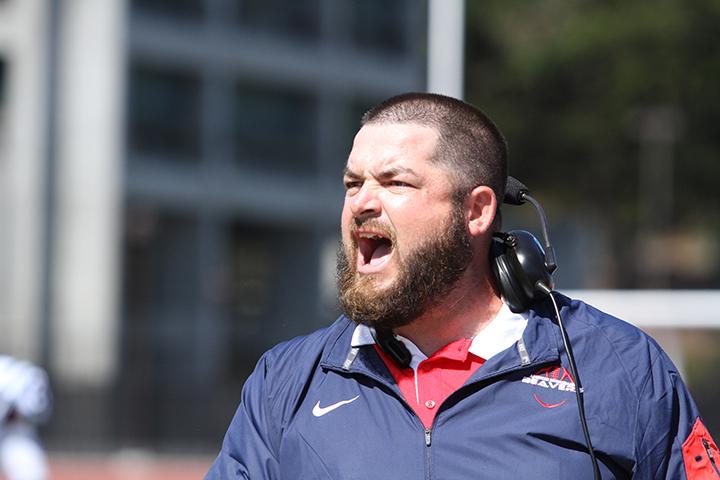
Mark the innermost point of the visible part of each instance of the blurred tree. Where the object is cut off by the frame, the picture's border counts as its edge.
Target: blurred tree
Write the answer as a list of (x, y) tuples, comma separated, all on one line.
[(580, 88)]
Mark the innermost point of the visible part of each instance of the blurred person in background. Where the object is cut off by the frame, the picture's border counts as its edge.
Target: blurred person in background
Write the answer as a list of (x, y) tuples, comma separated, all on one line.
[(438, 369), (25, 402)]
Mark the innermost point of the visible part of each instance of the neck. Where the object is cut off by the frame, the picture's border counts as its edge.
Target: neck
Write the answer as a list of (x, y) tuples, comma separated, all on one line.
[(469, 308)]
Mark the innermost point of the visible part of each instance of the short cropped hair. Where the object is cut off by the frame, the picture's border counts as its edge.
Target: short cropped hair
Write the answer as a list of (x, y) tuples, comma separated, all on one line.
[(470, 145)]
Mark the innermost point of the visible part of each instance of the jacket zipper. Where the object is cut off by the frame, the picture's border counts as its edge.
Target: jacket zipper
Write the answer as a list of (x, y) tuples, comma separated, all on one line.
[(710, 456), (428, 431), (428, 442)]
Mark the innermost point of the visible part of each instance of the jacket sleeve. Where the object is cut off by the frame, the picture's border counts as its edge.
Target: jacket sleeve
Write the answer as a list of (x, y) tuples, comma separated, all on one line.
[(249, 450), (670, 439)]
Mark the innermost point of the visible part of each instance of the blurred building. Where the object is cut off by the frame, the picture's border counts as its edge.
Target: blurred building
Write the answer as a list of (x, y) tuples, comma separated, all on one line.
[(170, 192)]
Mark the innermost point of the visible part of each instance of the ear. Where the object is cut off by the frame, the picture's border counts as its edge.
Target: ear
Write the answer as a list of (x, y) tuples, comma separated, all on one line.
[(481, 206)]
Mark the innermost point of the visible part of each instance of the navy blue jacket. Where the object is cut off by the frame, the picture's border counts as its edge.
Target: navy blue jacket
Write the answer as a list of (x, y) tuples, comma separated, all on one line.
[(515, 418)]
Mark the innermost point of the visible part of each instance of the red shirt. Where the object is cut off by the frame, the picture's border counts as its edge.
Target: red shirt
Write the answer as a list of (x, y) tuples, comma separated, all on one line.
[(435, 378)]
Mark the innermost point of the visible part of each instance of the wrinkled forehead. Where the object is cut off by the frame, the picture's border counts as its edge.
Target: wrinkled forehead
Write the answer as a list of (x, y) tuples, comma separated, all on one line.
[(392, 145)]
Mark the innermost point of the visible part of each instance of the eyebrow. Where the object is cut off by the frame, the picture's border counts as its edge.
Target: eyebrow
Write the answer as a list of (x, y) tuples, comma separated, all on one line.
[(387, 173), (395, 171), (349, 173)]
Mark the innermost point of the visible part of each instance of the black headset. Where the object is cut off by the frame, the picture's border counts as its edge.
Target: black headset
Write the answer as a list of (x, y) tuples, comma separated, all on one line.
[(523, 270), (521, 266)]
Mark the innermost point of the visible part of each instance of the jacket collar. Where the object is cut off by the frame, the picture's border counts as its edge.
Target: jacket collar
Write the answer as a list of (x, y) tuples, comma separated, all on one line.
[(501, 333), (350, 348)]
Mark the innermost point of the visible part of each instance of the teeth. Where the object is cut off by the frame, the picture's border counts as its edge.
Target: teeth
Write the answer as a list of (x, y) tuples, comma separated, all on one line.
[(371, 236)]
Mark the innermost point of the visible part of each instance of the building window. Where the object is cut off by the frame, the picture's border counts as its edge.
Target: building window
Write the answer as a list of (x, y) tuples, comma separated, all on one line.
[(164, 114), (352, 113), (275, 129), (379, 25), (273, 288), (177, 9), (347, 113), (195, 324), (294, 18), (161, 288)]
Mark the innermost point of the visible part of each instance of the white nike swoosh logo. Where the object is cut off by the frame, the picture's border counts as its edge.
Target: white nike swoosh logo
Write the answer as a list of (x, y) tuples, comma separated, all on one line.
[(319, 411)]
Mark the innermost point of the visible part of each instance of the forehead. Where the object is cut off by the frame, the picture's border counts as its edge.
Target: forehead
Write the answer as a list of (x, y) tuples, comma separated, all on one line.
[(392, 145)]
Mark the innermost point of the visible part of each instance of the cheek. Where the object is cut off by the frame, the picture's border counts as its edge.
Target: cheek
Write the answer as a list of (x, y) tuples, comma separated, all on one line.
[(345, 221), (421, 221), (419, 233), (345, 217)]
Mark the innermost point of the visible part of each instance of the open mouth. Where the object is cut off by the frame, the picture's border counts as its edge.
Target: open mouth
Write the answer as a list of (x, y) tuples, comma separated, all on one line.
[(374, 250)]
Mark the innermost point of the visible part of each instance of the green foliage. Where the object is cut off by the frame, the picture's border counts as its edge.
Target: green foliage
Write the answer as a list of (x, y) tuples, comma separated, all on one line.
[(572, 83), (568, 81)]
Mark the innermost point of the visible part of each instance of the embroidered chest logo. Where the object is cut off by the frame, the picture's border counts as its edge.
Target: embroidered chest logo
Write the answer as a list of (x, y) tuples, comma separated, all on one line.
[(319, 411), (551, 380)]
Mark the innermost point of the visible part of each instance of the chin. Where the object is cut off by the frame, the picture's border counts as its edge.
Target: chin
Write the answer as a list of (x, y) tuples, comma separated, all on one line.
[(378, 281)]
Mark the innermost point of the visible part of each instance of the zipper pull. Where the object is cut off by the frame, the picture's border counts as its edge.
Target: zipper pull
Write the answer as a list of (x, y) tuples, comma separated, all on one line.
[(710, 456), (707, 448), (428, 437)]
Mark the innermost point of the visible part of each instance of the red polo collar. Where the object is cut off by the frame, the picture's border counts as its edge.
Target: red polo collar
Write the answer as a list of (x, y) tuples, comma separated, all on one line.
[(428, 383)]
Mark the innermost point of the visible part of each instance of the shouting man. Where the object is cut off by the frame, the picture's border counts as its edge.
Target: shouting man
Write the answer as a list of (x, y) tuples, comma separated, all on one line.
[(429, 374)]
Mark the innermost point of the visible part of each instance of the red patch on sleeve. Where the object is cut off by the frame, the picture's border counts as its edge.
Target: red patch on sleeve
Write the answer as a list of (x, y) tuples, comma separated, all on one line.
[(701, 454)]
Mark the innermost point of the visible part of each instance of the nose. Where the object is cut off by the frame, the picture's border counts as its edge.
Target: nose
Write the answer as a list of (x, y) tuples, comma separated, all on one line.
[(365, 203)]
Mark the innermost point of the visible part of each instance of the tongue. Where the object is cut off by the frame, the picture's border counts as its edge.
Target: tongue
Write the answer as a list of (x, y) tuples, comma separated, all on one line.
[(379, 254)]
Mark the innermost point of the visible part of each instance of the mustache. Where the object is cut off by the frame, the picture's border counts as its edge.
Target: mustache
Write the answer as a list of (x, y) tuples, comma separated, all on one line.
[(373, 224)]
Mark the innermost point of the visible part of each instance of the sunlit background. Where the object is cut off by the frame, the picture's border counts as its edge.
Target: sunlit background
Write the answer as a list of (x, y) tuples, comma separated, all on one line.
[(170, 184)]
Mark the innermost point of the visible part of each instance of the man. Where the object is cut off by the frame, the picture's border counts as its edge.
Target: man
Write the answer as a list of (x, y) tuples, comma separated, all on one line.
[(24, 403), (476, 391)]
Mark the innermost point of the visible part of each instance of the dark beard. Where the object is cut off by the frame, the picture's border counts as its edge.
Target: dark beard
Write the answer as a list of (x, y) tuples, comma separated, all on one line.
[(425, 278)]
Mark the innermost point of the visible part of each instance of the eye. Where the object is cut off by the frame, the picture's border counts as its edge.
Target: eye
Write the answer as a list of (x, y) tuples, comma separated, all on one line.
[(397, 183), (352, 185)]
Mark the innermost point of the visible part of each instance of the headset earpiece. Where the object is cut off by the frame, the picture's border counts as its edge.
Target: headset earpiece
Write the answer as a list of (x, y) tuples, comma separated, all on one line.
[(519, 266)]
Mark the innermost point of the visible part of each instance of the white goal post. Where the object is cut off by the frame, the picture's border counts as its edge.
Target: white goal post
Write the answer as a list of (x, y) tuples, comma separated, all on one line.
[(664, 311), (676, 309)]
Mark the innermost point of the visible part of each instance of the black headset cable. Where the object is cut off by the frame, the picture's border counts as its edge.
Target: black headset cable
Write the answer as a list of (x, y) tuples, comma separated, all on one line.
[(576, 379)]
